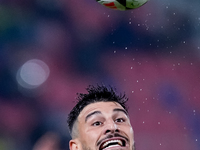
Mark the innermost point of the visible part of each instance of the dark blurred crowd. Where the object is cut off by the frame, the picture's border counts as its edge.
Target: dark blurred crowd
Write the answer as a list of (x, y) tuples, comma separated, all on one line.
[(151, 53)]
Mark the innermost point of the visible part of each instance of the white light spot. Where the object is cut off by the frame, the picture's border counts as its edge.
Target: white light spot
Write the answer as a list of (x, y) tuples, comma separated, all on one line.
[(32, 74)]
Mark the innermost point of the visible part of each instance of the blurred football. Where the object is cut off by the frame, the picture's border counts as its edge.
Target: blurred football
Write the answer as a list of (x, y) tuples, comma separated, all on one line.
[(122, 4)]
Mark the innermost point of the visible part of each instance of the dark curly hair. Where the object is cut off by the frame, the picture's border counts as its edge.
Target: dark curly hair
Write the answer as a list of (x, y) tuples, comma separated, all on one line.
[(100, 93)]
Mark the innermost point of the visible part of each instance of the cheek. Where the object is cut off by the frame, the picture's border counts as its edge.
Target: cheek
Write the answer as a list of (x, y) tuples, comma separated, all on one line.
[(131, 131), (90, 137), (131, 134)]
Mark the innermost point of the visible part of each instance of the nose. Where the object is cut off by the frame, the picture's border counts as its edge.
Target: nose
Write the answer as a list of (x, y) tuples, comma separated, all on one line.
[(111, 127)]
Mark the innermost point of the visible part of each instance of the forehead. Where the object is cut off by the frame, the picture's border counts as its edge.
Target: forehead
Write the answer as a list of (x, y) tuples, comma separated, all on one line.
[(106, 107)]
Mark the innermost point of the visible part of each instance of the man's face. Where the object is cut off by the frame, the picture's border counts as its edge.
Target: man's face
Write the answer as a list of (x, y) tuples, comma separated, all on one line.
[(104, 126)]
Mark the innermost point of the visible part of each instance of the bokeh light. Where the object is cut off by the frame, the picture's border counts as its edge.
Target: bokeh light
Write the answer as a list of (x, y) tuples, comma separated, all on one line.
[(32, 74)]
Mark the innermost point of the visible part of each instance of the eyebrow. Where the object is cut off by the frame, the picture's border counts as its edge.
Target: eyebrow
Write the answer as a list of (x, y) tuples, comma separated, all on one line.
[(91, 114), (98, 112), (120, 110)]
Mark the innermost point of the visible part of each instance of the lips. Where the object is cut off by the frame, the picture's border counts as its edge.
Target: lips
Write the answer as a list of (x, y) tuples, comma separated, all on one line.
[(112, 142)]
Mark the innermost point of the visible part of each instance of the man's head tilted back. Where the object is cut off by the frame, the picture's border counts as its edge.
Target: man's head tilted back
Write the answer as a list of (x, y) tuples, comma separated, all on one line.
[(100, 121)]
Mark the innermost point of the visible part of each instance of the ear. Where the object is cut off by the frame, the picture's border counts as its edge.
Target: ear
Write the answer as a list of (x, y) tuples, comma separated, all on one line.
[(74, 144)]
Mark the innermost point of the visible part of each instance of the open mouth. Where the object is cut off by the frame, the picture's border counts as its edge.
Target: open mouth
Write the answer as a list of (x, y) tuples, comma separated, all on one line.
[(112, 143)]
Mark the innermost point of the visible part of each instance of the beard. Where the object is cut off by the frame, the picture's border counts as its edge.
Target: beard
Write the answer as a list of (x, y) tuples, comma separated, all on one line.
[(85, 147)]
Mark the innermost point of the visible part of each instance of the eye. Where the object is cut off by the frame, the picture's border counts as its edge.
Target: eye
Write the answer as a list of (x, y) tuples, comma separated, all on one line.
[(97, 123), (120, 120)]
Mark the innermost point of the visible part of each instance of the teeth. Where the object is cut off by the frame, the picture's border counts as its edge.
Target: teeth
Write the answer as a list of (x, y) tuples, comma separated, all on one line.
[(112, 141)]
